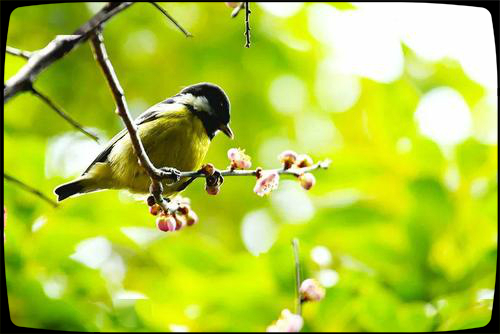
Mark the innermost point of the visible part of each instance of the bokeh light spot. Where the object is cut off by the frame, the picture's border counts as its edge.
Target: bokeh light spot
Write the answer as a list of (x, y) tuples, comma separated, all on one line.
[(443, 116), (287, 94), (292, 203), (281, 9), (321, 255), (258, 231)]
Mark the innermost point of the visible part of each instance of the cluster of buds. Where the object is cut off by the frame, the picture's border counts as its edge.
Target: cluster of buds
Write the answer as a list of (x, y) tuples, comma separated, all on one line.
[(238, 158), (182, 216), (213, 179), (311, 291), (290, 159), (288, 322)]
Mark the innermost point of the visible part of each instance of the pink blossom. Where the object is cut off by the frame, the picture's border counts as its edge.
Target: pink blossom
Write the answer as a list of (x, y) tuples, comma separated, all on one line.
[(180, 221), (307, 180), (311, 290), (154, 209), (212, 190), (166, 223), (266, 183), (239, 160), (288, 322), (191, 218)]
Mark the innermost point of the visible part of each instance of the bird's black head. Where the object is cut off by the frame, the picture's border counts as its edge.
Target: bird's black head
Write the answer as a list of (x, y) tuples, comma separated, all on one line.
[(211, 104)]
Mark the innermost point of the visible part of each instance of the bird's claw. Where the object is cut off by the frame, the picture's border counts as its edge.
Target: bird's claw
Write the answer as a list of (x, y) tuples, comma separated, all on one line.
[(171, 173)]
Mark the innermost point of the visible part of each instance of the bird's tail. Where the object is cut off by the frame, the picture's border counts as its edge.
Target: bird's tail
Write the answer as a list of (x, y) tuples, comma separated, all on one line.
[(73, 188)]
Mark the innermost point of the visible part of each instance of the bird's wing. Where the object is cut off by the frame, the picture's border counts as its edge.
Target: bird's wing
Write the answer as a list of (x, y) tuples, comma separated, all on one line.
[(149, 115)]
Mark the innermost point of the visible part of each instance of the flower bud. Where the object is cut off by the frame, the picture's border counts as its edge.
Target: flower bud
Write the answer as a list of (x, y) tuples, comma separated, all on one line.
[(303, 160), (212, 190), (183, 209), (288, 322), (151, 200), (311, 290), (191, 218), (208, 169), (166, 223), (307, 180), (239, 160), (267, 182), (154, 209), (287, 158), (180, 221)]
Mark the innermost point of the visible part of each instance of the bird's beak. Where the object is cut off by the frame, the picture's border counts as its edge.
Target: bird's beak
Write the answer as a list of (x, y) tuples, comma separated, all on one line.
[(227, 130)]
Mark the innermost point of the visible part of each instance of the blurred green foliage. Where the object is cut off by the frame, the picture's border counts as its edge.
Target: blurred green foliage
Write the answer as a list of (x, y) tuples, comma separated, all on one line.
[(411, 250)]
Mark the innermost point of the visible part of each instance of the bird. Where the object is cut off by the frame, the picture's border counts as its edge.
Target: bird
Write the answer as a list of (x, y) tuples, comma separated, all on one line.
[(175, 133)]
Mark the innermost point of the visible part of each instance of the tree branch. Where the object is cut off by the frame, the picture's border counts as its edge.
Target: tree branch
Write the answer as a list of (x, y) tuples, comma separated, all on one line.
[(184, 31), (247, 24), (61, 45), (18, 52), (298, 280), (29, 189), (64, 115), (290, 171), (155, 174)]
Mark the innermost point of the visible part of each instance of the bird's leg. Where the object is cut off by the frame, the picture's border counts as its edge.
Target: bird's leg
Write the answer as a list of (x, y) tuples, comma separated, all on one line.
[(185, 184)]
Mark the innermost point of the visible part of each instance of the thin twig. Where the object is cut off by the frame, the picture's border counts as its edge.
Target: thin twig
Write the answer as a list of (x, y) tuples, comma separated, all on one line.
[(291, 171), (237, 10), (298, 280), (247, 24), (61, 45), (187, 33), (155, 174), (63, 114), (17, 52), (29, 189)]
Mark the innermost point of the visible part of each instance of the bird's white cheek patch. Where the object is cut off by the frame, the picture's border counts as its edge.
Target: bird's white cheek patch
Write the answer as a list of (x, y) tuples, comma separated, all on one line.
[(198, 102), (201, 103)]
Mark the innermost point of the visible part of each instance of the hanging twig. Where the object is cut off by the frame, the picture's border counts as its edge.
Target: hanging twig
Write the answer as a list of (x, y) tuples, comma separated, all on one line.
[(29, 189), (184, 31), (18, 52), (64, 115), (298, 280), (247, 24)]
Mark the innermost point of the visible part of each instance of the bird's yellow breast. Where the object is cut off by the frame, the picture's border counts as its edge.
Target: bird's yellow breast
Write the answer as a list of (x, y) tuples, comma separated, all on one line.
[(176, 139)]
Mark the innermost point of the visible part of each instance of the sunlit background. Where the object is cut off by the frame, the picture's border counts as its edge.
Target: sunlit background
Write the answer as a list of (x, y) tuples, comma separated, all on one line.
[(401, 230)]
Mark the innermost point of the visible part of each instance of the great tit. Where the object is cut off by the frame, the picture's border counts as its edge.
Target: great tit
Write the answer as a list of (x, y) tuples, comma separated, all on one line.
[(175, 133)]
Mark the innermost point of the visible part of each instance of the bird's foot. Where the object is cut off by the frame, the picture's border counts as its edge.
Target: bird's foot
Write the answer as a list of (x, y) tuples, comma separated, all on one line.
[(171, 174)]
